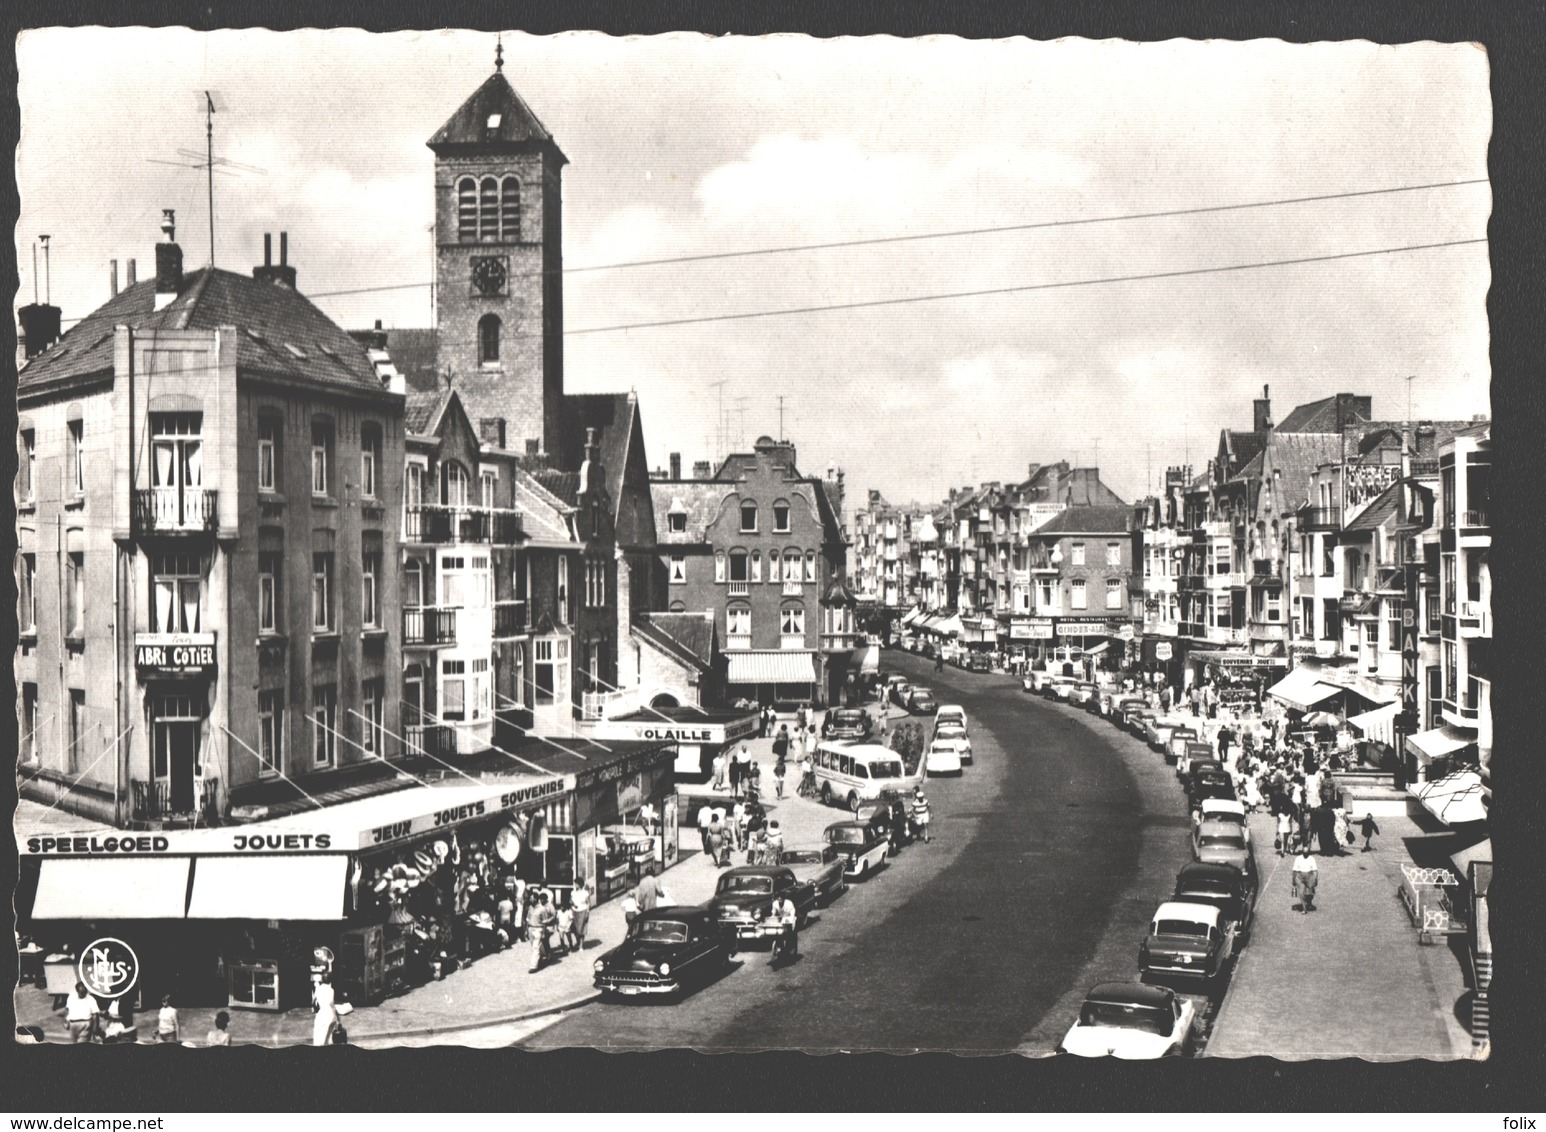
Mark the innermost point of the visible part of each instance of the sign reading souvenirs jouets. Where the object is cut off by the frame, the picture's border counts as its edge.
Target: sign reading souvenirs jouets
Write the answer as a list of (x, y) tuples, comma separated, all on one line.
[(175, 654), (514, 799)]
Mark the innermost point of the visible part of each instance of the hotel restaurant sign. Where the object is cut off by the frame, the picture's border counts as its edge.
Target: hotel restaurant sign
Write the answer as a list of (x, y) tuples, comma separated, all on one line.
[(175, 654)]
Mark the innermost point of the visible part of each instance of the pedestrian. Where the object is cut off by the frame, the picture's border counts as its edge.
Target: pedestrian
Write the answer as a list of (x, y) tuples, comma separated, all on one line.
[(735, 775), (1368, 828), (543, 917), (705, 816), (648, 891), (775, 843), (1280, 842), (778, 777), (807, 777), (1306, 877), (719, 771), (781, 741), (921, 813), (324, 1005), (743, 825), (754, 781), (716, 835), (166, 1021), (80, 1014), (120, 1023), (221, 1034), (580, 898)]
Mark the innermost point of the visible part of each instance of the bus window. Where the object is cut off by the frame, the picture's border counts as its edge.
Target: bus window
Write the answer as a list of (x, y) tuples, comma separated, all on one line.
[(861, 770), (846, 765)]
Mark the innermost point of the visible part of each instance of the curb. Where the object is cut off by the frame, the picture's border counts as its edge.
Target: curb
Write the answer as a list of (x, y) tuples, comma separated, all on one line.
[(480, 1023)]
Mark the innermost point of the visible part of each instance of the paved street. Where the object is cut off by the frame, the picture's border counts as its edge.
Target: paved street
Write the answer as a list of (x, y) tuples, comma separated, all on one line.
[(1049, 855)]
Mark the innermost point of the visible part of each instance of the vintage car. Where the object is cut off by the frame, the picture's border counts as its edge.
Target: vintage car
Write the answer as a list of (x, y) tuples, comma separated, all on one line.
[(892, 810), (1158, 731), (921, 702), (862, 844), (1132, 1021), (1227, 888), (950, 713), (1123, 706), (943, 757), (745, 894), (1209, 784), (1062, 688), (1222, 843), (847, 723), (1138, 721), (820, 868), (666, 950), (1200, 756), (1225, 810), (899, 693), (978, 662), (1036, 680), (1193, 940), (1180, 736), (958, 733), (1083, 693)]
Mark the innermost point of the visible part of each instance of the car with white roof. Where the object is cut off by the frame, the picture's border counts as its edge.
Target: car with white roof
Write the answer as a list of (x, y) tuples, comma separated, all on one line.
[(1132, 1021)]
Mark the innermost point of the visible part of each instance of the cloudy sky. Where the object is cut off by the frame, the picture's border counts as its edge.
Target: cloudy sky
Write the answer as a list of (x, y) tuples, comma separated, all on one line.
[(686, 145)]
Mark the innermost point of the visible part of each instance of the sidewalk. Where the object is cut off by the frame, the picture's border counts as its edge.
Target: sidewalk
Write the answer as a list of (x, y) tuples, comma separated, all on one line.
[(497, 988), (1349, 979)]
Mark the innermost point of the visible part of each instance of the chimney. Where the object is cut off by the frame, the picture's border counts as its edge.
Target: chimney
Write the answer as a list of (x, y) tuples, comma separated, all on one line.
[(39, 327), (112, 276), (592, 460), (1262, 418), (281, 273), (533, 446), (169, 261), (676, 465), (129, 277), (702, 470)]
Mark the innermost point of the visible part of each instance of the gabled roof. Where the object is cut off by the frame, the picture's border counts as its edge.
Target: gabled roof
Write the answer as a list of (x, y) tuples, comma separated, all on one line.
[(687, 636), (1242, 447), (1380, 509), (423, 410), (516, 127), (1295, 456), (1250, 470), (563, 486), (1087, 520), (413, 351), (615, 417), (281, 333), (700, 499), (1319, 416)]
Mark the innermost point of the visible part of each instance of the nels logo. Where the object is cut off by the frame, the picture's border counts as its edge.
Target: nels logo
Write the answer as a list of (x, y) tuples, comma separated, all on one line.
[(109, 967)]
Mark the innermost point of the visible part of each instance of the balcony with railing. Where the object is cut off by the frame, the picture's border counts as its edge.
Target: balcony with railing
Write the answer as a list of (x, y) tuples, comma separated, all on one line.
[(1473, 520), (795, 588), (426, 626), (174, 511), (432, 739), (437, 523), (155, 800), (509, 619), (1320, 518), (740, 589), (736, 641)]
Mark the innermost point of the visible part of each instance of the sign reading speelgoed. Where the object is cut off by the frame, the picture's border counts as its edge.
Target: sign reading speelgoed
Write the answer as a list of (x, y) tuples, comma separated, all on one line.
[(108, 967), (175, 654)]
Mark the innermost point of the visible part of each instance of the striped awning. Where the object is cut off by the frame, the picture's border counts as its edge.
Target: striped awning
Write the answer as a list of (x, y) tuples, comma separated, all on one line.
[(771, 666), (1378, 724), (1301, 689)]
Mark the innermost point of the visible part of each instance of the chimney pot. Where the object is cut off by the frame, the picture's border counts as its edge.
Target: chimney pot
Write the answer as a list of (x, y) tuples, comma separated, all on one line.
[(268, 249), (378, 324), (113, 275), (130, 278), (676, 465), (533, 446), (284, 248)]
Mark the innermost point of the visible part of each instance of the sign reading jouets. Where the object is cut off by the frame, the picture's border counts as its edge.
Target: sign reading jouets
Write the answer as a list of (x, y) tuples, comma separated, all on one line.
[(109, 967)]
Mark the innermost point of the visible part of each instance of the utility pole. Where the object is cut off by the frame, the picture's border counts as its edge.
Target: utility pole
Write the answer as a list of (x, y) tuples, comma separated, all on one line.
[(209, 167), (48, 275), (780, 418)]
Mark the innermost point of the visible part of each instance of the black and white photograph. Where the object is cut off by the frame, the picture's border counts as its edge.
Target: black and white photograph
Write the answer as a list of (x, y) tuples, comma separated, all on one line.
[(632, 543)]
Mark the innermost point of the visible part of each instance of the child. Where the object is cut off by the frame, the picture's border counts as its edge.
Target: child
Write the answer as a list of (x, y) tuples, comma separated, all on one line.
[(778, 777), (1368, 829), (566, 924)]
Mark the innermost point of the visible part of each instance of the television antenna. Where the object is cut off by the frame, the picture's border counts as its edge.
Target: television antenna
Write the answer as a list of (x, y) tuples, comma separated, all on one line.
[(211, 102)]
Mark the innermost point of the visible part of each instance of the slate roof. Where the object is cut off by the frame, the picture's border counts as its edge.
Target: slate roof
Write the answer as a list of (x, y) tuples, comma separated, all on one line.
[(612, 415), (424, 409), (1250, 470), (1087, 520), (689, 636), (1295, 456), (519, 127), (564, 486), (413, 352), (283, 334), (1380, 509), (700, 499), (1316, 416), (1243, 447)]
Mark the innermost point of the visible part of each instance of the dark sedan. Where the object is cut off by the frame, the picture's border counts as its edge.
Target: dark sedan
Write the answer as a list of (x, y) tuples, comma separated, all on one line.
[(847, 723), (922, 702), (1232, 891), (744, 897), (1211, 784), (666, 950)]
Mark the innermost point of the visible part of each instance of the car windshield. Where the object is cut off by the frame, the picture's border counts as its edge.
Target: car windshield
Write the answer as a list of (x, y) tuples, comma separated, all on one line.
[(662, 931), (1128, 1016), (886, 768), (848, 835), (950, 731), (756, 885), (1180, 927), (1222, 841)]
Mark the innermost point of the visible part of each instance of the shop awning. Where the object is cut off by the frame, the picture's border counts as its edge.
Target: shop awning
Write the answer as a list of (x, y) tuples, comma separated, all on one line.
[(1100, 648), (912, 615), (1441, 742), (1454, 799), (772, 666), (1481, 851), (950, 626), (870, 661), (1379, 724), (112, 888), (1302, 689), (304, 886)]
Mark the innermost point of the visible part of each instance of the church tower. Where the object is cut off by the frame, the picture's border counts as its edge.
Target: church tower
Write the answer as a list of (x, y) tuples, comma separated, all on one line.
[(499, 257)]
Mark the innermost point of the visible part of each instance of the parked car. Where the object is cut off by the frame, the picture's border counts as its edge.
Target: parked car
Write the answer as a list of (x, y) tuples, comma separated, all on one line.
[(950, 713), (821, 868), (1084, 693), (943, 757), (979, 662), (1062, 688), (1039, 679), (1222, 843), (744, 895), (1180, 736), (1210, 784), (1224, 810), (1159, 729), (665, 951), (1028, 682), (847, 723), (1230, 890), (1132, 1021), (1124, 709), (956, 732), (899, 693), (893, 810), (1192, 940), (863, 845), (1196, 755), (921, 702), (1138, 721)]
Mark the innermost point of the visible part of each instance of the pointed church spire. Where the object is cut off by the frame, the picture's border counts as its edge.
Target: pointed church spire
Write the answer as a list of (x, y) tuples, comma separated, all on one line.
[(499, 53)]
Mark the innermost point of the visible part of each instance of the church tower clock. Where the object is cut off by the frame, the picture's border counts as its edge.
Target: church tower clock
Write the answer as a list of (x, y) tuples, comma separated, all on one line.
[(499, 258)]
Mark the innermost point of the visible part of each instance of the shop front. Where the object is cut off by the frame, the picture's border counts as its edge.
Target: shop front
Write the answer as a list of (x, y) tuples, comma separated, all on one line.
[(626, 819), (1029, 639), (1242, 679), (700, 735)]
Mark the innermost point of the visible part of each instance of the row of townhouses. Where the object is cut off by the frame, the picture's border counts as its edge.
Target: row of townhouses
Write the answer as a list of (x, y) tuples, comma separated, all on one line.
[(1347, 550)]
